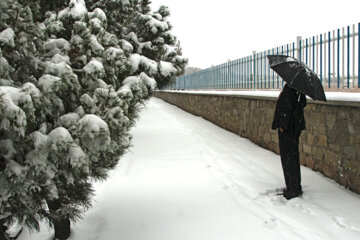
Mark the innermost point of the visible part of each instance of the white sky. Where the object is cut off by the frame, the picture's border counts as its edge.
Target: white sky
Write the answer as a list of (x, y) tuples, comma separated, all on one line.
[(212, 32)]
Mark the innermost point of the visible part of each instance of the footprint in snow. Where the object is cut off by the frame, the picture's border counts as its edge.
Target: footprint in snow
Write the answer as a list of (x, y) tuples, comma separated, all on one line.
[(271, 223), (300, 207), (343, 223)]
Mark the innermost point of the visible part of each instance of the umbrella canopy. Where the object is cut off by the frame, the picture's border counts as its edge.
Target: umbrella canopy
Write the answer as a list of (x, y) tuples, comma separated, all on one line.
[(298, 76)]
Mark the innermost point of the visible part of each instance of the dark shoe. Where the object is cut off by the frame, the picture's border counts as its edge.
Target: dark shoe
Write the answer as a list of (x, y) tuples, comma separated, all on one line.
[(289, 194)]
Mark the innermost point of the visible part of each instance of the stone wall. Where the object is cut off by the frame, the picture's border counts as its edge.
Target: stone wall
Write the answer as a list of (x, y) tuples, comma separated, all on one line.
[(330, 144)]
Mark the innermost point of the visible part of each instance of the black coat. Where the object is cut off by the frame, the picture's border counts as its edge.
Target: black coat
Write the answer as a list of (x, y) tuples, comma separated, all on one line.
[(289, 112)]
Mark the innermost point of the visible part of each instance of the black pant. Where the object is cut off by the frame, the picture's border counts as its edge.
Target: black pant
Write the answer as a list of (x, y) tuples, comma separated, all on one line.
[(290, 160)]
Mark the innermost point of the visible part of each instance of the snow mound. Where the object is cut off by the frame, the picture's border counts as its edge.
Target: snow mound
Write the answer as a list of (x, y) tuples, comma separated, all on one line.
[(60, 136), (69, 120), (94, 66), (99, 13), (148, 81), (7, 37), (59, 43), (167, 69), (137, 60), (49, 83), (93, 125), (76, 10)]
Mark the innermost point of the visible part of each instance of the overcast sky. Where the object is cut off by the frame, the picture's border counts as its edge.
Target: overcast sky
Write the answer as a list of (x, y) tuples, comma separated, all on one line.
[(212, 32)]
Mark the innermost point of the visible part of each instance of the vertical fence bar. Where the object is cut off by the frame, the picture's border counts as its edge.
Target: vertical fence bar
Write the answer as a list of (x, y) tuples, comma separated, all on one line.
[(241, 73), (306, 51), (261, 69), (238, 73), (313, 68), (277, 77), (317, 53), (228, 77), (246, 72), (243, 70), (223, 72), (343, 58), (219, 76), (251, 75), (249, 72), (265, 64), (257, 71), (333, 57), (348, 56), (310, 52), (325, 59), (273, 74), (233, 72), (338, 58), (321, 58), (229, 74), (300, 57), (269, 72), (293, 49), (329, 50), (353, 59)]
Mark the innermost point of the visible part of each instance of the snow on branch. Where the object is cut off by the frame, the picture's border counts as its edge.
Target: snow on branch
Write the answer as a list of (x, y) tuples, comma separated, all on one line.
[(7, 37)]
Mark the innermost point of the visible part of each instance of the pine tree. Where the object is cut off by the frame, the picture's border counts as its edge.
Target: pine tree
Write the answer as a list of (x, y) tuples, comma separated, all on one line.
[(23, 183), (152, 37), (145, 6), (71, 81), (94, 105)]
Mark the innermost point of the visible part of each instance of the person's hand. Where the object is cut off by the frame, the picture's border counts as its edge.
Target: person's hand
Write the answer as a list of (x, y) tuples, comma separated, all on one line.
[(281, 130)]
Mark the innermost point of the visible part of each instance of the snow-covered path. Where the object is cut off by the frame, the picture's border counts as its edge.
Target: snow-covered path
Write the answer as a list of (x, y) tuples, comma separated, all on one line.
[(187, 179)]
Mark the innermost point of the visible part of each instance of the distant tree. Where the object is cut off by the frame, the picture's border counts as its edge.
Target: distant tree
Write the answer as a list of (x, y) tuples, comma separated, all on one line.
[(189, 70)]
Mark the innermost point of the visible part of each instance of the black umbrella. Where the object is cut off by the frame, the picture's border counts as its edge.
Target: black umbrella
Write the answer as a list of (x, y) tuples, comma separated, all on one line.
[(298, 76)]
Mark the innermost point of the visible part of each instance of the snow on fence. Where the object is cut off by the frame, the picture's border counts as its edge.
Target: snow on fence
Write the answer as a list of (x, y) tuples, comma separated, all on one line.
[(334, 56)]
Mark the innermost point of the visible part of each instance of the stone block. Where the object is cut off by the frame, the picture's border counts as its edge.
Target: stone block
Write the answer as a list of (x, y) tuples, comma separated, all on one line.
[(355, 140), (330, 121), (309, 162), (310, 139), (317, 153), (334, 147), (307, 148), (332, 158), (351, 129), (350, 152), (322, 141), (351, 164)]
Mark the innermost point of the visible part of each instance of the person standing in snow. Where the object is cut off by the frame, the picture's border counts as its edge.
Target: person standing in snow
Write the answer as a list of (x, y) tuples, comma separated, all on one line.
[(289, 121)]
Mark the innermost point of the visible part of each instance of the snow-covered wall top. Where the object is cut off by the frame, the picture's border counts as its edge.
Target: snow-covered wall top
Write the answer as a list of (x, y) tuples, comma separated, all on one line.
[(342, 98)]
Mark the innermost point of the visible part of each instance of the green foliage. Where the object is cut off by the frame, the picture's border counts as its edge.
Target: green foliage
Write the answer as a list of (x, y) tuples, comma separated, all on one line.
[(72, 78)]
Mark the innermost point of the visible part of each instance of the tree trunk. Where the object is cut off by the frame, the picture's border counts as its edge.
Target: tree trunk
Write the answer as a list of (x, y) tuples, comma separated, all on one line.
[(62, 228), (62, 224), (3, 228)]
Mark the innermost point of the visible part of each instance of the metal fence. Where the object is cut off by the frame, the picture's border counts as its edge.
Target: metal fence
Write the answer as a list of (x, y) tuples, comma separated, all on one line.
[(334, 56)]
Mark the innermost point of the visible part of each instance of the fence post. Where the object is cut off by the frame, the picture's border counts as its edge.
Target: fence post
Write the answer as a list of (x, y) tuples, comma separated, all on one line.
[(298, 47), (254, 69)]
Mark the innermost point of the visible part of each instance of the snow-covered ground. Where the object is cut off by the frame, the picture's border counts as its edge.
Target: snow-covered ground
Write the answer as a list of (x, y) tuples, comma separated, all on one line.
[(188, 179)]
